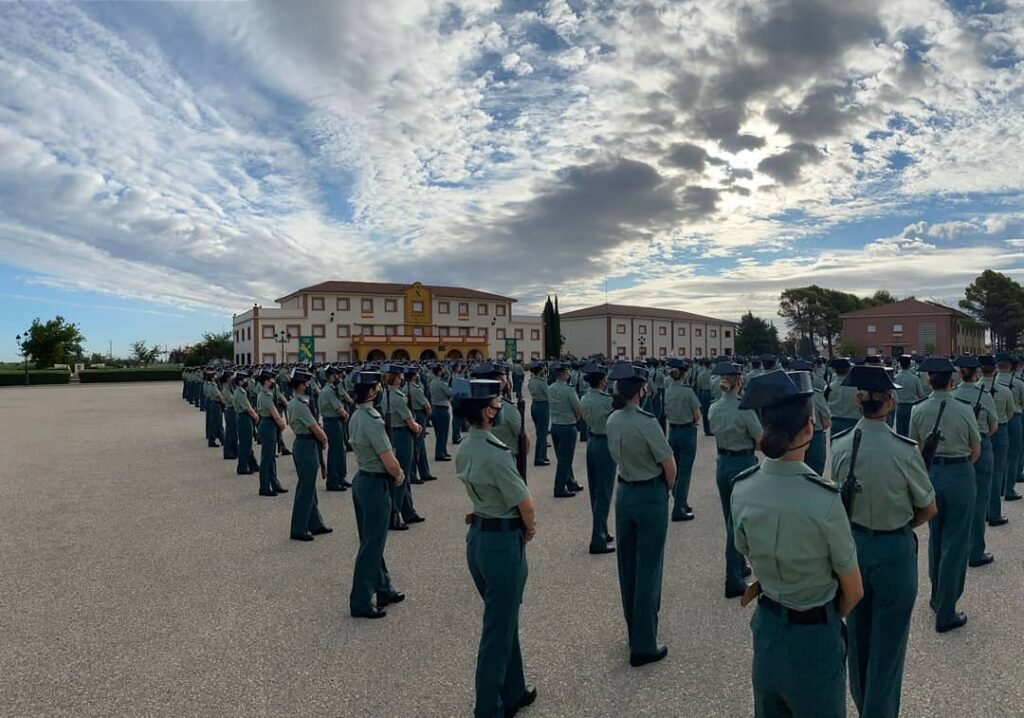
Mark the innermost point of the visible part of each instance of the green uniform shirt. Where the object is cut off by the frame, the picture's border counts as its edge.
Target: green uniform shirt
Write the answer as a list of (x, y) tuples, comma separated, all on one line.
[(958, 428), (680, 403), (240, 401), (1016, 388), (596, 407), (735, 429), (228, 392), (821, 410), (792, 526), (511, 424), (300, 417), (485, 465), (563, 402), (397, 404), (704, 378), (637, 443), (538, 389), (264, 402), (911, 387), (970, 394), (440, 392), (369, 438), (891, 477), (1001, 396), (329, 401), (417, 397), (842, 400)]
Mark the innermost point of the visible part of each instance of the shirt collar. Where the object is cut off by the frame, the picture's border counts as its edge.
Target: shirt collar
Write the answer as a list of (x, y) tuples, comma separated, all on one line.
[(778, 467)]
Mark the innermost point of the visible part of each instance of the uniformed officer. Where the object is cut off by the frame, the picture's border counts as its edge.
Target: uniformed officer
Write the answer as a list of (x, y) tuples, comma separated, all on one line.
[(973, 394), (270, 426), (518, 377), (910, 391), (227, 380), (332, 408), (952, 475), (245, 419), (737, 434), (306, 519), (282, 393), (564, 407), (440, 417), (646, 475), (682, 411), (539, 412), (502, 522), (508, 431), (596, 407), (379, 470), (403, 432), (421, 411), (816, 452), (791, 524), (1014, 427), (891, 496), (841, 399), (1003, 400)]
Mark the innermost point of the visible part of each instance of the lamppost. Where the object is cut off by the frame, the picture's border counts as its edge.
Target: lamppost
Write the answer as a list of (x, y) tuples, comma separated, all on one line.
[(24, 353), (282, 339), (643, 348)]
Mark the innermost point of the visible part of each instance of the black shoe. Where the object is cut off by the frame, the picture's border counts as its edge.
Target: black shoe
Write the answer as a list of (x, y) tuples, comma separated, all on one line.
[(688, 516), (746, 570), (573, 486), (268, 492), (735, 593), (442, 458), (429, 478), (564, 494), (985, 560), (336, 487), (285, 452), (527, 699), (386, 599), (457, 441), (413, 518), (346, 484), (642, 659), (230, 458), (324, 530), (542, 463), (369, 613), (302, 537), (398, 525), (415, 482), (212, 444), (598, 550), (281, 490), (959, 622), (1013, 497), (348, 448), (609, 538), (244, 473), (1001, 521)]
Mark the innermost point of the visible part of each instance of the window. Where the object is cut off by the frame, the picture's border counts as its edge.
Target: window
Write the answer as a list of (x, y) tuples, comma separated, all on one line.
[(698, 332), (481, 332), (897, 329), (319, 330), (390, 331), (320, 357), (344, 356), (268, 331), (519, 356), (499, 333), (318, 304), (714, 334), (620, 328), (294, 330), (872, 329), (697, 351), (463, 331), (366, 306), (714, 352), (443, 308), (365, 330), (662, 351), (463, 309), (500, 310), (662, 331), (681, 352), (344, 330), (519, 334), (621, 352), (642, 329), (872, 351), (390, 305), (417, 306), (728, 352), (442, 331), (417, 331), (248, 357), (535, 355), (535, 334), (269, 359), (728, 333), (682, 331), (481, 310), (248, 333), (342, 304)]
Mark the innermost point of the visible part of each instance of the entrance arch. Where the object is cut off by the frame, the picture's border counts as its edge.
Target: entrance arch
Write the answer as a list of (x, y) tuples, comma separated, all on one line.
[(454, 354), (376, 355), (399, 355), (475, 355), (428, 355)]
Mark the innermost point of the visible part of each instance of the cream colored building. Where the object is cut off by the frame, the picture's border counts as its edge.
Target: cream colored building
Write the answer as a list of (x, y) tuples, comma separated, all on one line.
[(371, 321), (620, 331)]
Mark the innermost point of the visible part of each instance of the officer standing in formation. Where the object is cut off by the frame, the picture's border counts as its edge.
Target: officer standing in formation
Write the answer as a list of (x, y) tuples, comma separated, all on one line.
[(1006, 363), (403, 432), (441, 417), (306, 519), (910, 391), (683, 413), (890, 497), (1003, 400), (507, 431), (539, 412), (421, 411), (332, 401), (230, 422), (816, 452), (270, 427), (564, 408), (841, 399), (245, 418), (596, 407), (791, 524)]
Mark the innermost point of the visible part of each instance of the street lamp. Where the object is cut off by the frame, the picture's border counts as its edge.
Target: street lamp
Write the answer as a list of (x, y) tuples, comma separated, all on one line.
[(282, 339), (24, 353)]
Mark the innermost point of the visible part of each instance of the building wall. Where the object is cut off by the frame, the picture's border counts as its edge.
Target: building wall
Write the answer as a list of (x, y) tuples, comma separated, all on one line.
[(634, 337), (890, 335), (585, 336)]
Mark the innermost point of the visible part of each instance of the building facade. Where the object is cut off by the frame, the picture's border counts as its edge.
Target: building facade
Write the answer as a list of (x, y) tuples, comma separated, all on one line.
[(912, 326), (620, 331), (371, 321)]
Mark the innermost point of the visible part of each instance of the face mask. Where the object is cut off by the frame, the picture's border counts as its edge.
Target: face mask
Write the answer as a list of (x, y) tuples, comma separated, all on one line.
[(496, 421)]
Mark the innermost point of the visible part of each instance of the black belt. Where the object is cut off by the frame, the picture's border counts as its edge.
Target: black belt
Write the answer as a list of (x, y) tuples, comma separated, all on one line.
[(809, 617), (876, 532), (488, 524), (949, 460), (679, 426), (638, 483), (304, 436), (376, 474), (332, 418), (595, 434), (400, 428), (729, 452), (540, 401)]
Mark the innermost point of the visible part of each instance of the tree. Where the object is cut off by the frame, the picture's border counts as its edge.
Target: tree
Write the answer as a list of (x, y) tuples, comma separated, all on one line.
[(815, 311), (998, 300), (882, 296), (756, 336), (213, 347), (55, 342), (143, 353), (552, 329)]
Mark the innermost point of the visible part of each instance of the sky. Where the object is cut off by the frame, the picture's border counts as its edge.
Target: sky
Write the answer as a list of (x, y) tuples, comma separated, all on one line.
[(163, 165)]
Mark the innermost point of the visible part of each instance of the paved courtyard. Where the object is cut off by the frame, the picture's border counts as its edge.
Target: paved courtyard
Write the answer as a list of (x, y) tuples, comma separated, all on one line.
[(142, 577)]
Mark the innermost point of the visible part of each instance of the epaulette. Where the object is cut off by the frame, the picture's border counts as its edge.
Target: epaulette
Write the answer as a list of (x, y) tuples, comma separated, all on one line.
[(905, 439), (820, 391), (374, 413), (842, 433), (964, 401), (497, 442), (823, 483), (646, 413), (746, 473)]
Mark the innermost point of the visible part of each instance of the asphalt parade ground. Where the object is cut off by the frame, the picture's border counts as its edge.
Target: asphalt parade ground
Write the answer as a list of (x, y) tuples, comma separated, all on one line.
[(142, 577)]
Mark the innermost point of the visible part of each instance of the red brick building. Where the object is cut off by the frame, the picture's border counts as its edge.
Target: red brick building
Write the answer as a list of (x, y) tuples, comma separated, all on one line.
[(912, 326)]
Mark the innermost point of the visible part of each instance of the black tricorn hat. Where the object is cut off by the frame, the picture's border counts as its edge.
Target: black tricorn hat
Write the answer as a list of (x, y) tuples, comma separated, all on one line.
[(775, 387), (870, 378)]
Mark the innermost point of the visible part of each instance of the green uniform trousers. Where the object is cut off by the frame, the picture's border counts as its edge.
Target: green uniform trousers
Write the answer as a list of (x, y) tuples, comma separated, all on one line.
[(371, 499), (982, 488), (497, 563), (903, 418), (230, 434), (563, 440), (441, 419), (420, 464), (683, 441), (540, 412), (337, 460), (641, 523), (246, 458), (799, 670), (949, 535), (1000, 441), (305, 508), (215, 415), (268, 454), (704, 397), (601, 484), (1015, 439), (726, 469), (401, 496), (880, 623)]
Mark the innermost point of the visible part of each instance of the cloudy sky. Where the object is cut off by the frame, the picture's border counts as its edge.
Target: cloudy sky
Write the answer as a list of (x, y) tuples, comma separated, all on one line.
[(165, 164)]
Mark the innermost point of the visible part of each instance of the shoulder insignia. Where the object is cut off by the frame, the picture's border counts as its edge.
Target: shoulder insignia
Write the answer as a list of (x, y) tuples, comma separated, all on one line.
[(374, 413), (646, 413), (905, 439), (746, 473), (497, 442), (823, 483), (842, 433)]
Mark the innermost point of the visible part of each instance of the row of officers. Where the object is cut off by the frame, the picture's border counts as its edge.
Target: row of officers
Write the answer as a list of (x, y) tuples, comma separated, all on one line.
[(813, 562)]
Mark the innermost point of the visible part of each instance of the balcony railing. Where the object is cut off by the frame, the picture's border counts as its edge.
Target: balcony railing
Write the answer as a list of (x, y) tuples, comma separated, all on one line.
[(412, 339)]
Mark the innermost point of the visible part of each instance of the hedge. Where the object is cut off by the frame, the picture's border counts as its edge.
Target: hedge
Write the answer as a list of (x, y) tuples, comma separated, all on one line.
[(88, 376), (35, 376)]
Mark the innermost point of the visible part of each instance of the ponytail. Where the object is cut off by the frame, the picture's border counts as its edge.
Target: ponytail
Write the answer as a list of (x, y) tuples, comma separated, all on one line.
[(625, 390), (783, 423)]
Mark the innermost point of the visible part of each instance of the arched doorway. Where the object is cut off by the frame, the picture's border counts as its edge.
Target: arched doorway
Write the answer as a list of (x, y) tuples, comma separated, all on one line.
[(428, 355), (454, 354), (376, 355), (399, 355), (474, 355)]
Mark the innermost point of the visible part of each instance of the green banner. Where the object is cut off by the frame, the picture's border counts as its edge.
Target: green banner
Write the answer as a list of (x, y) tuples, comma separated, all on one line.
[(307, 346), (511, 348)]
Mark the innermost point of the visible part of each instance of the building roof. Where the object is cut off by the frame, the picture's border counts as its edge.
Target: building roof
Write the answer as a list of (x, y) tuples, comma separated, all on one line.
[(907, 307), (340, 287), (606, 310)]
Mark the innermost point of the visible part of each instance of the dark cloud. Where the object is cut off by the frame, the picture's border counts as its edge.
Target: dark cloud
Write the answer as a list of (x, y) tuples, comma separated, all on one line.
[(687, 156), (785, 167), (740, 173), (699, 202), (825, 112)]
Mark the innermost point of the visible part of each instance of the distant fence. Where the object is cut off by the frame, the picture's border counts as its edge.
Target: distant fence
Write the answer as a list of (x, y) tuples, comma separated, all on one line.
[(36, 376), (95, 376)]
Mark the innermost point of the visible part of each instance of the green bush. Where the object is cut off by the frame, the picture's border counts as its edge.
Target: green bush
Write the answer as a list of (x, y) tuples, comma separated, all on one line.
[(88, 376), (35, 376)]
